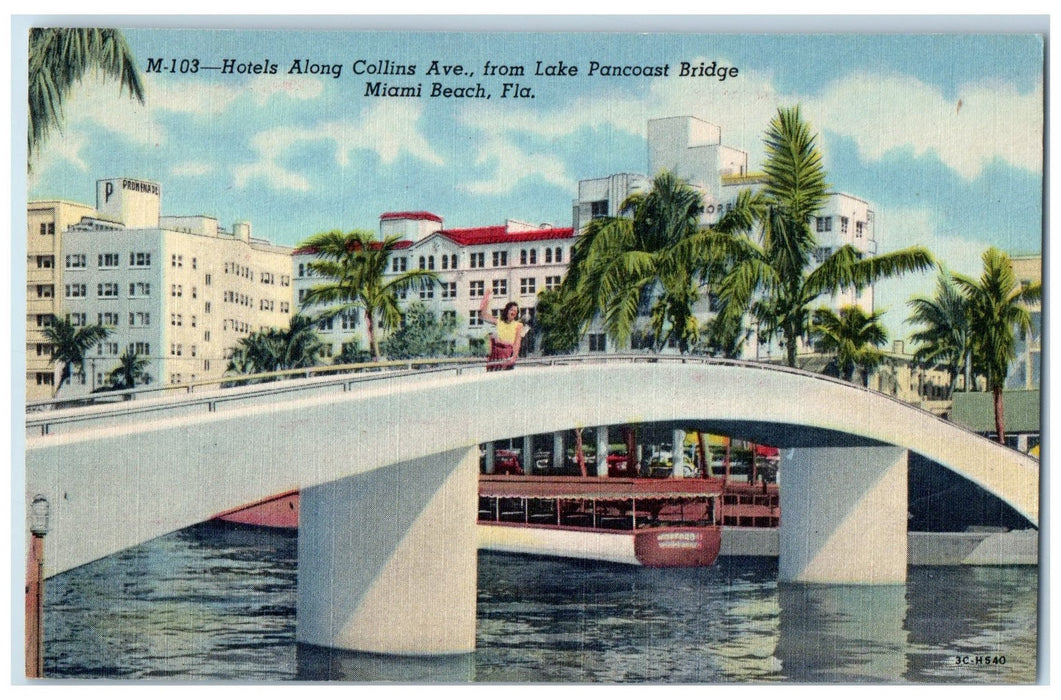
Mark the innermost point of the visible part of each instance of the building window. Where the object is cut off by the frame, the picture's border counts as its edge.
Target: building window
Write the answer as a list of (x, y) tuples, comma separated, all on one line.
[(141, 319), (475, 318), (552, 281), (139, 259), (843, 224), (45, 262), (476, 289), (449, 289), (527, 285), (500, 258), (107, 290), (825, 224), (859, 228), (598, 209), (206, 336), (75, 261), (108, 260), (176, 320), (45, 291), (597, 342), (109, 318), (558, 255), (75, 291), (449, 316), (176, 349), (176, 260), (139, 289), (477, 260), (48, 229), (453, 261), (206, 307), (176, 290), (140, 348), (499, 287), (348, 320), (399, 264), (45, 378), (77, 319), (427, 289), (548, 255)]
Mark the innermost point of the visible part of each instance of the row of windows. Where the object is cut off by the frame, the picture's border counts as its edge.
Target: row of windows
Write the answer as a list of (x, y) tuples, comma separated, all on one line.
[(825, 225), (110, 290), (107, 261)]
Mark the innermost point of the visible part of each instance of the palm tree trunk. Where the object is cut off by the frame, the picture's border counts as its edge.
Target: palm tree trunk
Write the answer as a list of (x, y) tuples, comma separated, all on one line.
[(371, 328), (999, 427)]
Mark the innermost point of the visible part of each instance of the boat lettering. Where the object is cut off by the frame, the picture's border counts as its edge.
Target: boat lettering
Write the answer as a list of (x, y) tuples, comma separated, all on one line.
[(678, 540)]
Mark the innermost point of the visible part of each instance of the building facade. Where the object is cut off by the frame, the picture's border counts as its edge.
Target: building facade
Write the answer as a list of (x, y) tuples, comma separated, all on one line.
[(179, 291), (514, 261), (1026, 370), (692, 148)]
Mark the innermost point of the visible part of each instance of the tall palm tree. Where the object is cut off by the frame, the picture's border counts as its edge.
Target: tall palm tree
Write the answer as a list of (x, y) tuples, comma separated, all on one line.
[(59, 58), (131, 370), (70, 343), (997, 306), (774, 267), (944, 339), (355, 267), (621, 264), (853, 336)]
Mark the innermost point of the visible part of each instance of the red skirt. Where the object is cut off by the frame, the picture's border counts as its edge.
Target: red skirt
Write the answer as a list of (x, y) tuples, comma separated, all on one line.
[(499, 352)]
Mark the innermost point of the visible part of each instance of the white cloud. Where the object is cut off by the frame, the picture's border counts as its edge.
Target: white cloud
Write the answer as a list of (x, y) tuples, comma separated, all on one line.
[(387, 129), (887, 112), (192, 169), (513, 165)]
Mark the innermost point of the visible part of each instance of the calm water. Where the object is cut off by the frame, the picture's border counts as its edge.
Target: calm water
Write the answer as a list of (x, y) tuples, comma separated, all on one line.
[(218, 603)]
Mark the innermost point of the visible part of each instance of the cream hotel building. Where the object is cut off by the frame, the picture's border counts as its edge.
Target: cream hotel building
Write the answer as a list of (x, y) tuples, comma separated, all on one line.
[(179, 291)]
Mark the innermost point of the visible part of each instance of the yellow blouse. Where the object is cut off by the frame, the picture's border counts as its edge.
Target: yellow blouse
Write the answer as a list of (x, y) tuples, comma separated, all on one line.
[(507, 331)]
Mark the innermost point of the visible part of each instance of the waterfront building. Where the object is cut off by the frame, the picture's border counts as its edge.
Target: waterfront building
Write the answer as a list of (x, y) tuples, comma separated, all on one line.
[(179, 291), (45, 222), (692, 148), (514, 261), (1026, 371)]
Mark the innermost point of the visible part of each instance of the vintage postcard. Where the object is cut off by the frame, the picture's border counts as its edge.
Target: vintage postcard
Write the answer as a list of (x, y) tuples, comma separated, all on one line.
[(443, 354)]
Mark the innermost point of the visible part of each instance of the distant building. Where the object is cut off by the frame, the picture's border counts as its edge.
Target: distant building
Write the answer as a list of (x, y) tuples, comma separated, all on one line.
[(514, 260), (1026, 371), (693, 149), (177, 290)]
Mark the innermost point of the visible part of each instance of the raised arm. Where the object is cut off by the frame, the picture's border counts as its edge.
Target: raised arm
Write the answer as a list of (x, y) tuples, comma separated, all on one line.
[(484, 313)]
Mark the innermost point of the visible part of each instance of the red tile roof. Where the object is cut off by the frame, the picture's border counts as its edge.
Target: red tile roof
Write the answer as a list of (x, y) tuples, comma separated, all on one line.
[(414, 215), (499, 234)]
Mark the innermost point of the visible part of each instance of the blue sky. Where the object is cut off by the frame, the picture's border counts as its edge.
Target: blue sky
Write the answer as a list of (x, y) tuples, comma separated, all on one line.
[(942, 133)]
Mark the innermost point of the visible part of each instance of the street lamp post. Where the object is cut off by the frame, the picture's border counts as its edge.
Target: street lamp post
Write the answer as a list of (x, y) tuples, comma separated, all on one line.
[(38, 527)]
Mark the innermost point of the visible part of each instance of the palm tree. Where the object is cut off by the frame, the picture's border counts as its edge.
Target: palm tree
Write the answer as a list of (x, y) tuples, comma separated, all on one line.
[(622, 264), (775, 267), (944, 338), (276, 349), (997, 308), (59, 58), (70, 343), (355, 265), (853, 336), (131, 370)]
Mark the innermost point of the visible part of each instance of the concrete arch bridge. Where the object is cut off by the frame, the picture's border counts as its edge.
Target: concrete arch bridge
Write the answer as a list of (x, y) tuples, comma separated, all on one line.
[(387, 463)]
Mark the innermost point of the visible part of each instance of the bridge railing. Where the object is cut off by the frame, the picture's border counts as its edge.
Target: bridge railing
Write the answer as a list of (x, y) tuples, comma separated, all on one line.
[(209, 395)]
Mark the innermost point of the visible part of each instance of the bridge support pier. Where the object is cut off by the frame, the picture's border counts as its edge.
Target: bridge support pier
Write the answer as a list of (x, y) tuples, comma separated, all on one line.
[(387, 558), (844, 515)]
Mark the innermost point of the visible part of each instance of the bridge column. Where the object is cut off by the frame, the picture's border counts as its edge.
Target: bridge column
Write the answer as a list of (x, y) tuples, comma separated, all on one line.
[(387, 558), (602, 450), (528, 454), (677, 452), (843, 515), (559, 458)]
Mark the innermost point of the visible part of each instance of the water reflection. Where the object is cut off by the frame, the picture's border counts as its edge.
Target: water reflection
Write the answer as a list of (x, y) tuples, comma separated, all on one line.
[(842, 633), (218, 603), (321, 663)]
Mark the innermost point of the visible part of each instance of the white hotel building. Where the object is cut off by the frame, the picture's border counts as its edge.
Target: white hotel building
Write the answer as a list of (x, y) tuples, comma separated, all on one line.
[(693, 149), (514, 261), (177, 290)]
